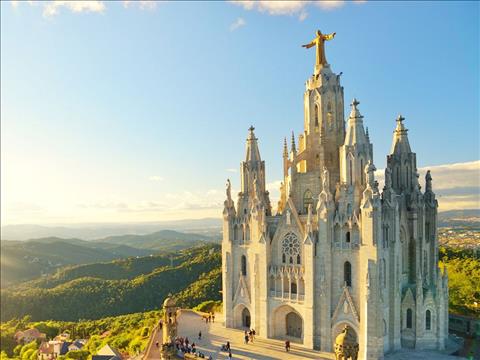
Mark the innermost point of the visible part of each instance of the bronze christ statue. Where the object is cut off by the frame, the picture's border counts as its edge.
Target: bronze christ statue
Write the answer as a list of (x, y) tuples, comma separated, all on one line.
[(319, 43)]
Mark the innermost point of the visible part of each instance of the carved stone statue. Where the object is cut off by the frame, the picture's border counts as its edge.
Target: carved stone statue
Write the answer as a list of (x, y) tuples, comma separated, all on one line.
[(320, 50), (346, 345), (369, 174), (428, 181), (229, 190), (388, 178), (325, 180)]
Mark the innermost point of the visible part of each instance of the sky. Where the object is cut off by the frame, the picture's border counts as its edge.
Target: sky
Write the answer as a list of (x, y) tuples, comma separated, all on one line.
[(138, 111)]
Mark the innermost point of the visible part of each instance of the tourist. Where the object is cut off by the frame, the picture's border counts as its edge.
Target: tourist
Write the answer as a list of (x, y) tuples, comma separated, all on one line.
[(250, 336), (213, 317), (161, 324), (199, 335), (229, 354), (228, 345), (287, 345), (156, 344), (246, 337)]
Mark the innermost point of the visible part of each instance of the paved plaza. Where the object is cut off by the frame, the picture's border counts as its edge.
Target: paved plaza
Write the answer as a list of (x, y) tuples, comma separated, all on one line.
[(215, 334)]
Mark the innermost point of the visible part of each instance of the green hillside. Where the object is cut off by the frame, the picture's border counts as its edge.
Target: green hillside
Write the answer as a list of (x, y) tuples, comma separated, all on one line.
[(25, 260), (22, 261), (120, 287)]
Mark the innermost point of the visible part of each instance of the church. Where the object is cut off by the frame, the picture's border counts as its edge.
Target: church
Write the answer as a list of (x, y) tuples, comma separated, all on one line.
[(337, 250)]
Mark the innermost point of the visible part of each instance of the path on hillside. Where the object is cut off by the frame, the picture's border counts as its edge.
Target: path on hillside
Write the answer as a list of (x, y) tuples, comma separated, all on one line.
[(153, 352)]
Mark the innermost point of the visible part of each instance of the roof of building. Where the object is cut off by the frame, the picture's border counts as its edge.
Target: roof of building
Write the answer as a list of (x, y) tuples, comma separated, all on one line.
[(107, 350)]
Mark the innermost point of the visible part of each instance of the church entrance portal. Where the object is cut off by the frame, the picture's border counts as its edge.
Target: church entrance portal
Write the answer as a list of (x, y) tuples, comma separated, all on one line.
[(294, 325), (246, 318), (286, 324)]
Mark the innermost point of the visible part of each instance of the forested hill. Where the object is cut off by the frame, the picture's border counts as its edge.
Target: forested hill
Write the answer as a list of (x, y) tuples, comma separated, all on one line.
[(25, 260), (119, 287)]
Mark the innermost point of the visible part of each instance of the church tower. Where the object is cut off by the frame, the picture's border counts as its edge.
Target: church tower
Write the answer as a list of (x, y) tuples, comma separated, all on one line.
[(338, 251)]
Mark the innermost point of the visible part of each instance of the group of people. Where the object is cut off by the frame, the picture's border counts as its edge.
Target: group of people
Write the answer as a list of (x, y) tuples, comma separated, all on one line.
[(210, 317), (226, 347), (249, 335)]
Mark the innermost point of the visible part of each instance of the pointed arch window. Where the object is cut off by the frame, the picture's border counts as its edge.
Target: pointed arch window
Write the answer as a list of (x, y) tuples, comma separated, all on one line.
[(284, 260), (428, 320), (409, 318), (347, 237), (298, 259), (347, 273), (317, 112), (351, 171), (244, 265), (307, 200), (247, 233)]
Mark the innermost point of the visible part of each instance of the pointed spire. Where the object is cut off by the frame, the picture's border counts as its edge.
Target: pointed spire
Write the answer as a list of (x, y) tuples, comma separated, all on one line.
[(294, 148), (252, 152), (400, 139), (285, 148), (355, 131), (367, 135)]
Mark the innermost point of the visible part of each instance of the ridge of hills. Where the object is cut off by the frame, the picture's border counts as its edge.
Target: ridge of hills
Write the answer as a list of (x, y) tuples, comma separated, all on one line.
[(26, 260), (118, 287)]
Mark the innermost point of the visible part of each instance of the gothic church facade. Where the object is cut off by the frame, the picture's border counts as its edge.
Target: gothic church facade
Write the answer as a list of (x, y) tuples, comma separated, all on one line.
[(337, 251)]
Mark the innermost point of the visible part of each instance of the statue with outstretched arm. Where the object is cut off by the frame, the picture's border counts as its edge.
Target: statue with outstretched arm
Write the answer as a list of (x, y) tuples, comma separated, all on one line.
[(319, 42)]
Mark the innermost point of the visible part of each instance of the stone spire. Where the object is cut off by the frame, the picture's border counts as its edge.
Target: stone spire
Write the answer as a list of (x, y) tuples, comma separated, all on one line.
[(285, 148), (252, 152), (294, 148), (355, 131), (400, 138)]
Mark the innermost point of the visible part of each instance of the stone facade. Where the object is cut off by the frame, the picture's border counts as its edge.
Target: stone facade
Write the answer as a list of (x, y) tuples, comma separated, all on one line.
[(338, 251)]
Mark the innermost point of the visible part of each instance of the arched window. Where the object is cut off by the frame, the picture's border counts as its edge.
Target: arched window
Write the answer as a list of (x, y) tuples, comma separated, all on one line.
[(291, 260), (247, 233), (283, 258), (316, 115), (307, 200), (428, 320), (235, 232), (347, 273), (244, 265), (298, 259), (347, 237), (293, 288), (409, 318)]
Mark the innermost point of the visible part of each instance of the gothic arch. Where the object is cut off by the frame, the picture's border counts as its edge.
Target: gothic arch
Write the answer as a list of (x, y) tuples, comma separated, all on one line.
[(307, 200), (287, 323), (241, 316)]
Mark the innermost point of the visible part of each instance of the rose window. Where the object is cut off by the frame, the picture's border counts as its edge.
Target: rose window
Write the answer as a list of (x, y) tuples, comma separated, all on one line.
[(291, 245)]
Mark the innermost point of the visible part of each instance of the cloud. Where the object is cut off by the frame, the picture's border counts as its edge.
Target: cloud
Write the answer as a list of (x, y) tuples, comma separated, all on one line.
[(142, 5), (155, 178), (457, 185), (52, 8), (240, 22), (286, 7)]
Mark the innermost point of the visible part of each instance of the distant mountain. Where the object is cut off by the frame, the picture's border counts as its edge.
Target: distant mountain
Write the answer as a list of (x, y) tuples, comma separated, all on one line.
[(118, 287), (208, 226), (25, 260), (165, 240), (456, 218)]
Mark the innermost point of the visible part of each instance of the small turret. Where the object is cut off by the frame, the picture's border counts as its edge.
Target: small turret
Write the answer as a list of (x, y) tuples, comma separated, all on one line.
[(400, 138), (355, 133)]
